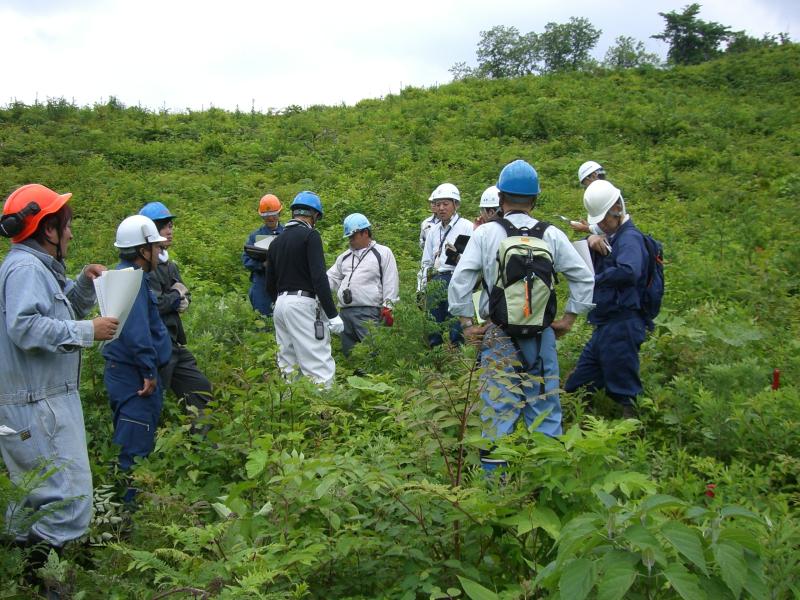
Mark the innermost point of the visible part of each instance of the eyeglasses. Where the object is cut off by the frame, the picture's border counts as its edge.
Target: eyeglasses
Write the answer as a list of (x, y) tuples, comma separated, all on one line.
[(438, 203)]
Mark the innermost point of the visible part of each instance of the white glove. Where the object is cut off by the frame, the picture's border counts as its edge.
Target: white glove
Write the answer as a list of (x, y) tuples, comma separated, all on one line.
[(183, 305), (336, 325), (182, 289)]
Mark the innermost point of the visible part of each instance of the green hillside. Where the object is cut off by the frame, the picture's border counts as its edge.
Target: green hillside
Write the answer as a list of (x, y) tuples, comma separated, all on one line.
[(364, 491)]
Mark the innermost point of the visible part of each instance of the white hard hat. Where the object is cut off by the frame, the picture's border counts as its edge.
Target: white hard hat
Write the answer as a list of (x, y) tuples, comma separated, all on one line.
[(587, 169), (446, 191), (490, 197), (137, 231), (598, 198)]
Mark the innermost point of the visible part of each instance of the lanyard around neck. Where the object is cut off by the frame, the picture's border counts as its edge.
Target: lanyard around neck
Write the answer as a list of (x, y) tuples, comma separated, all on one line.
[(354, 264), (445, 233)]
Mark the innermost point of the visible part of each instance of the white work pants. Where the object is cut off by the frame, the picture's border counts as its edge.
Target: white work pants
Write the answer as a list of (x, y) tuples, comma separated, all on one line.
[(297, 347)]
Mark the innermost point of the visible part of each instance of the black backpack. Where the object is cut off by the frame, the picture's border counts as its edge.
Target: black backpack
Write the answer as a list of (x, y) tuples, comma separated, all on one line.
[(654, 290)]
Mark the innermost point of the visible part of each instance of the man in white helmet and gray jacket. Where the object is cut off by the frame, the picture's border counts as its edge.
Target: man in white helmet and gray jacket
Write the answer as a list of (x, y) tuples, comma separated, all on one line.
[(440, 256), (366, 280)]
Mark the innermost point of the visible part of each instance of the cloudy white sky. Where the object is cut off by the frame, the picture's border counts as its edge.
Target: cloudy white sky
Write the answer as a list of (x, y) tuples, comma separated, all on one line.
[(178, 54)]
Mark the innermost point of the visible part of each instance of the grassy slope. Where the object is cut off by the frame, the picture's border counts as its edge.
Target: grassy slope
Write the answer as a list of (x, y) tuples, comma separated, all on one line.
[(706, 157)]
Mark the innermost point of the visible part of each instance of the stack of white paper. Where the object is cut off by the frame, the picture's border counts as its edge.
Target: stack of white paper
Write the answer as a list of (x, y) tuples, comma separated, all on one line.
[(263, 241), (116, 291)]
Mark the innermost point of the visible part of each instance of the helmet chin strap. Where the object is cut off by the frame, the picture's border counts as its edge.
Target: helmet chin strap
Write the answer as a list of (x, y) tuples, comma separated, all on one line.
[(57, 244)]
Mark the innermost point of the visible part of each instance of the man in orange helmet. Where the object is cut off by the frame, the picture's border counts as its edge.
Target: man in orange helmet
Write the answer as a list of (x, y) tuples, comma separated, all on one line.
[(41, 336), (269, 208)]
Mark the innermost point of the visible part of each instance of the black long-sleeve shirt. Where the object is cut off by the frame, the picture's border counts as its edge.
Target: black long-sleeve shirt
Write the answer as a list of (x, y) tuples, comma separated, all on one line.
[(297, 262), (161, 280)]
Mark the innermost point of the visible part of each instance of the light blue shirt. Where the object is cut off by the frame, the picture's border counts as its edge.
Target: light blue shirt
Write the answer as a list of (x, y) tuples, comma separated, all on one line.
[(480, 260), (40, 336)]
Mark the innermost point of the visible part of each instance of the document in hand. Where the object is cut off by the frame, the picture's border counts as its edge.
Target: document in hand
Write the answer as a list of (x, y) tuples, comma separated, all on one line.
[(258, 251), (582, 246), (116, 291), (263, 241)]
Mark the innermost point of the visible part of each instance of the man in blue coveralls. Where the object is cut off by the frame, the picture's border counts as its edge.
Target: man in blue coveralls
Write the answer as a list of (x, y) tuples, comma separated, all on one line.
[(610, 359), (143, 346), (269, 208)]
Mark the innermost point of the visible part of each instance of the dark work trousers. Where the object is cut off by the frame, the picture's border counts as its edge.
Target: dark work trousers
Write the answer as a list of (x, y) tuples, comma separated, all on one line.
[(355, 324), (182, 375), (437, 306), (135, 417), (259, 297), (610, 360)]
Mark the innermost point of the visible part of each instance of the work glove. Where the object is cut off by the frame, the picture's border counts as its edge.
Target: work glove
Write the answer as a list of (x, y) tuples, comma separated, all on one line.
[(386, 316), (180, 288), (183, 305), (336, 325)]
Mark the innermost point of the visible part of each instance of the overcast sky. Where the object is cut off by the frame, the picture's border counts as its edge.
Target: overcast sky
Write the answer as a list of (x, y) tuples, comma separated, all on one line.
[(177, 54)]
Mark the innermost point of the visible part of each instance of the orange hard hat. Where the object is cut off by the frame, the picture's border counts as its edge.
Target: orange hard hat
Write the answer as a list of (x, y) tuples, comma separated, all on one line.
[(49, 203), (269, 206)]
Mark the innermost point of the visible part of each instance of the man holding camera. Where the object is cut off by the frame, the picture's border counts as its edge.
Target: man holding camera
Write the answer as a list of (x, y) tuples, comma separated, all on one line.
[(366, 279)]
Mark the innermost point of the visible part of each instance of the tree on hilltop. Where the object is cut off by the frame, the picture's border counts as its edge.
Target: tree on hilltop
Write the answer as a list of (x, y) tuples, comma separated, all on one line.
[(691, 40), (566, 46), (628, 53), (505, 52), (741, 42)]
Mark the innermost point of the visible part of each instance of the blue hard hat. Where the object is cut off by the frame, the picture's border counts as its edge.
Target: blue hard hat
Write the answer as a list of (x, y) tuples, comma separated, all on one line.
[(519, 178), (307, 199), (355, 222), (156, 211)]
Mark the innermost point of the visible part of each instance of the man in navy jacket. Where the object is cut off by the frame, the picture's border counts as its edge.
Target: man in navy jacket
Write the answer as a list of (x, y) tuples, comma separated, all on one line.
[(143, 346), (269, 208), (610, 359)]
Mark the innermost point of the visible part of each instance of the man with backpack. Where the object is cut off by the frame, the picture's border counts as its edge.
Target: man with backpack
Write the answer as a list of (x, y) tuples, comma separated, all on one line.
[(518, 258), (366, 280), (610, 359)]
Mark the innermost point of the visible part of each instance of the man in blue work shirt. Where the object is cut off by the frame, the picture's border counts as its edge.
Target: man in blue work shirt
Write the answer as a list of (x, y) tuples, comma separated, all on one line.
[(143, 346), (269, 208), (610, 359)]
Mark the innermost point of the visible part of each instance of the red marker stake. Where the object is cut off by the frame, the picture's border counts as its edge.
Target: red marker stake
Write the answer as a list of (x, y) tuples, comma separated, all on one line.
[(776, 379)]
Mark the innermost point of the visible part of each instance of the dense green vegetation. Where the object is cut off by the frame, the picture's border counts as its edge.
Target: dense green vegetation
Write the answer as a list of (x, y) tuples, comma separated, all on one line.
[(373, 489)]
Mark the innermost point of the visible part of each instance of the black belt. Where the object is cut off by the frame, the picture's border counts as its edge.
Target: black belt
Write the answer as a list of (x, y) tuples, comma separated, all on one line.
[(302, 293)]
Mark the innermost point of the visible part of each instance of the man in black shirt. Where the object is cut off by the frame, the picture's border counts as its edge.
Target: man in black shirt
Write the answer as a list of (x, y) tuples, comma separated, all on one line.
[(181, 374), (297, 279)]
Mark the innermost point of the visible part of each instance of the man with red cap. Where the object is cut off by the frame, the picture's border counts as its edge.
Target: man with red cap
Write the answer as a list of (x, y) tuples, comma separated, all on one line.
[(41, 337), (269, 208)]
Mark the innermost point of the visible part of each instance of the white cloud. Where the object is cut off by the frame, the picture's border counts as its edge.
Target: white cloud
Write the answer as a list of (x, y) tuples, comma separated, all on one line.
[(181, 54)]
